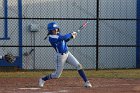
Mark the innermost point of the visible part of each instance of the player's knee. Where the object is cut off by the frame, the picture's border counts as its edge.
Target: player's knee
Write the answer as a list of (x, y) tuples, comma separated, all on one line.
[(79, 67)]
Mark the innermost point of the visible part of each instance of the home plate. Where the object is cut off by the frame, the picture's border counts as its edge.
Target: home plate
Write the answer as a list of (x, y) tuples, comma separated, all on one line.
[(29, 88)]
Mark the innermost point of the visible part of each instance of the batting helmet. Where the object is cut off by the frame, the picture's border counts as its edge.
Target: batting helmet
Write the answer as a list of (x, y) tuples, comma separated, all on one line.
[(52, 26)]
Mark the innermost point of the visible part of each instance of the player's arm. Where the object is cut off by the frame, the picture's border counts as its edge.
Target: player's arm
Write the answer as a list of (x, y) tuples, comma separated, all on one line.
[(59, 37), (67, 37)]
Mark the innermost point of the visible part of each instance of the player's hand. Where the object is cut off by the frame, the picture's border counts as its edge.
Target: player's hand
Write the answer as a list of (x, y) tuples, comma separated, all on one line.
[(74, 34)]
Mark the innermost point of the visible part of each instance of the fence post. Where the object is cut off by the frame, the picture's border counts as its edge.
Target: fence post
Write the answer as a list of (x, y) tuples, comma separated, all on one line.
[(97, 34), (138, 36), (20, 30)]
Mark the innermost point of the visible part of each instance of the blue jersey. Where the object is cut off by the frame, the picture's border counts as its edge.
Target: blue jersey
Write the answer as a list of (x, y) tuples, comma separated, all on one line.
[(59, 41)]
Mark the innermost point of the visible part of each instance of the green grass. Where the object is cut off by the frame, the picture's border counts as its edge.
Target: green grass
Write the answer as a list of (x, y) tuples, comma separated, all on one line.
[(124, 73)]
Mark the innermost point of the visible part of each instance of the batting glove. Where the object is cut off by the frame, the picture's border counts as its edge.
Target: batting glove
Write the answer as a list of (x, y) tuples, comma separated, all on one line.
[(74, 34)]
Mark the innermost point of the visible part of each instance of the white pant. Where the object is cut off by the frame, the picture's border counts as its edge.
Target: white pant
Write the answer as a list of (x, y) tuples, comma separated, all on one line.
[(61, 60)]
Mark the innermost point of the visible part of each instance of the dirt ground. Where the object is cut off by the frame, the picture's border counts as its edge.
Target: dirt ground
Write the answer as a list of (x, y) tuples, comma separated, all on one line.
[(69, 85)]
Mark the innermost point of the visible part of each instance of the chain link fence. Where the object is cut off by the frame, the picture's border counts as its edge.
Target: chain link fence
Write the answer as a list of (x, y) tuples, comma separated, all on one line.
[(109, 40)]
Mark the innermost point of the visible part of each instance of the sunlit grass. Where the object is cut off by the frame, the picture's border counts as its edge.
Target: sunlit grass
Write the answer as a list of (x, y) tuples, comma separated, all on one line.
[(124, 73)]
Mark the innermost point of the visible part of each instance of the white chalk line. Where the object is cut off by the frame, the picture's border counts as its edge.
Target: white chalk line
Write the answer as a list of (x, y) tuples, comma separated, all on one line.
[(48, 92), (111, 85), (60, 91), (63, 91), (29, 88)]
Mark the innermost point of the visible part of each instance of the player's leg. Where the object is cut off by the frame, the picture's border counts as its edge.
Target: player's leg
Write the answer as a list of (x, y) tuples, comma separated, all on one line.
[(73, 61), (60, 60)]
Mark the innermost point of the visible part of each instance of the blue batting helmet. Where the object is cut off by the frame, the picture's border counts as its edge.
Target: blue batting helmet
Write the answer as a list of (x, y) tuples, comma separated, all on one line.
[(52, 26)]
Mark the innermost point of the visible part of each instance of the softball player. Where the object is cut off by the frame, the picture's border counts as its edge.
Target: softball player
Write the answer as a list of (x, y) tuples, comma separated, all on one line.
[(62, 56)]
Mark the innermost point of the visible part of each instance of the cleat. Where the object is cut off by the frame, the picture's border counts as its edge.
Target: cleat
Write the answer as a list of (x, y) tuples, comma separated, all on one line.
[(87, 84), (41, 82)]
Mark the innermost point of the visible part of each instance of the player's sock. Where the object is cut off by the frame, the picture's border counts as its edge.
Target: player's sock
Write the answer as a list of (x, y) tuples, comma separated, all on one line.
[(47, 77), (82, 74)]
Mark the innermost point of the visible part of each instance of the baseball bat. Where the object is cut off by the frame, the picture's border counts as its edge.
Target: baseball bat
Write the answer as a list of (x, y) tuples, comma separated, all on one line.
[(82, 27)]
